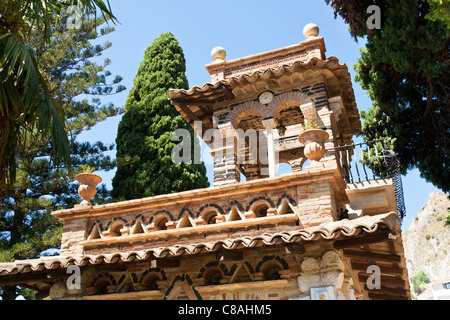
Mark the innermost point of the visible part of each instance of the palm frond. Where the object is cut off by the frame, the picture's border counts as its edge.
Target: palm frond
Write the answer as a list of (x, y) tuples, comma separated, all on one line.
[(25, 103)]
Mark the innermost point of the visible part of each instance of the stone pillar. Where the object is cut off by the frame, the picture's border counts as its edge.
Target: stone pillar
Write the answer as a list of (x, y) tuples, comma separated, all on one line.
[(336, 105), (224, 151), (217, 68), (318, 204), (74, 232), (309, 111), (272, 162)]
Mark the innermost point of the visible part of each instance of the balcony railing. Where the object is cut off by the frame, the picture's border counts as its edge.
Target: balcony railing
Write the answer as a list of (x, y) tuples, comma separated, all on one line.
[(371, 160)]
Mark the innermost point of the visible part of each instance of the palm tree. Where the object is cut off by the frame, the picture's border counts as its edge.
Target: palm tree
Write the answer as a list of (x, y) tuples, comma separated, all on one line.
[(26, 108)]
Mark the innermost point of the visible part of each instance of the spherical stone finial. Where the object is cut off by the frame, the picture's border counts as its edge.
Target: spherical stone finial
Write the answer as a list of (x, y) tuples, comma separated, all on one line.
[(218, 54), (311, 30)]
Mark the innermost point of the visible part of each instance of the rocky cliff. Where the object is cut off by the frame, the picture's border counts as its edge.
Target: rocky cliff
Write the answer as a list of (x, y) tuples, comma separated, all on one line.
[(427, 241)]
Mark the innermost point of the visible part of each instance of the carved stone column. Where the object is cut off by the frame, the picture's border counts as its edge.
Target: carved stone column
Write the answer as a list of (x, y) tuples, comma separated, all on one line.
[(323, 278)]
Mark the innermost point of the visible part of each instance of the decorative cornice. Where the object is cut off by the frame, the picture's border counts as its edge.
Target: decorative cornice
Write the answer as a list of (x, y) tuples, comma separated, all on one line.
[(327, 231), (330, 172)]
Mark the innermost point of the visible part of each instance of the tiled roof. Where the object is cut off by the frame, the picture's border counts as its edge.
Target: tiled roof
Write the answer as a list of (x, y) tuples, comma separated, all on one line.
[(209, 89), (202, 98), (327, 231)]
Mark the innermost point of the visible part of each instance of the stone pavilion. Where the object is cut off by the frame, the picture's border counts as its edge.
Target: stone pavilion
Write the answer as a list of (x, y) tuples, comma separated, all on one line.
[(316, 233)]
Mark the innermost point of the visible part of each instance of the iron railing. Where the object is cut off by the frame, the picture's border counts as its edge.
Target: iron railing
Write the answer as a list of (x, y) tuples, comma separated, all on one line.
[(371, 160)]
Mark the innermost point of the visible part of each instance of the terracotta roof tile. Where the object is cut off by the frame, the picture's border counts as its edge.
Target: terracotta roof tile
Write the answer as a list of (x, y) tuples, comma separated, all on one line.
[(332, 63)]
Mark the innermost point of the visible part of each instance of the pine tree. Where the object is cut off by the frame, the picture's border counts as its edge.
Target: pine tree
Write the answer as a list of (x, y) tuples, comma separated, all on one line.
[(144, 135), (25, 100), (27, 228)]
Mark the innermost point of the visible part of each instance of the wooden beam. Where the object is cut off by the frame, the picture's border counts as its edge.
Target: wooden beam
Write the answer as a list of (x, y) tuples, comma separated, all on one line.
[(41, 295), (165, 263), (383, 269), (110, 268), (228, 93), (360, 255), (196, 102), (229, 256), (366, 239), (388, 291), (295, 248), (192, 116), (32, 277), (379, 296)]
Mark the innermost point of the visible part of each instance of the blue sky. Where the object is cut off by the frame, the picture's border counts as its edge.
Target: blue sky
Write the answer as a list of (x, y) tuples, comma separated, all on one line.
[(243, 28)]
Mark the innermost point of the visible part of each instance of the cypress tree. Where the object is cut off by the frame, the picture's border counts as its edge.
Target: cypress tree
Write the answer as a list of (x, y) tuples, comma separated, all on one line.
[(143, 141)]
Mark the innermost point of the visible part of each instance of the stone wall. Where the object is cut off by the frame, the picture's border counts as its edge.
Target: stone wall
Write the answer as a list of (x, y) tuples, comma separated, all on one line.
[(255, 207)]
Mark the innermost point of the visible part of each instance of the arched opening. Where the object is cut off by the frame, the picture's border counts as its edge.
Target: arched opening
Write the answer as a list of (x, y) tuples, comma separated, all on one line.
[(160, 222), (251, 145), (115, 229), (101, 285), (288, 117), (271, 270), (150, 281), (306, 163), (249, 119), (260, 209), (283, 168), (213, 276), (210, 217)]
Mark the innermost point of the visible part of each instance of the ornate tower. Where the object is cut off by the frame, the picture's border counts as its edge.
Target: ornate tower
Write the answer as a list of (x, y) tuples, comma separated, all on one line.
[(272, 93), (314, 233)]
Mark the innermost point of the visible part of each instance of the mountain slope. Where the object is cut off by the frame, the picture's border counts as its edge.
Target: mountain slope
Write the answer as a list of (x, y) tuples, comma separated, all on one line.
[(427, 241)]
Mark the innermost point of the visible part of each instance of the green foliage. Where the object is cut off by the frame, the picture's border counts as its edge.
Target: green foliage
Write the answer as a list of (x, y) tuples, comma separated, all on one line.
[(447, 222), (26, 105), (144, 143), (354, 14), (27, 228), (310, 124), (405, 70), (418, 281), (439, 11)]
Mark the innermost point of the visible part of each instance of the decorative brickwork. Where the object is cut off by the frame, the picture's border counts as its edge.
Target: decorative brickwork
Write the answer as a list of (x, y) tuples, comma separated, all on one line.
[(235, 113)]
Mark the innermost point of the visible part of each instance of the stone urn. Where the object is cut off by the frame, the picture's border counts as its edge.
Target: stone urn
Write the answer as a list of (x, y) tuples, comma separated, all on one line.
[(88, 187), (314, 142)]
